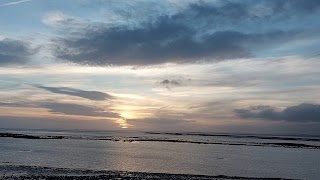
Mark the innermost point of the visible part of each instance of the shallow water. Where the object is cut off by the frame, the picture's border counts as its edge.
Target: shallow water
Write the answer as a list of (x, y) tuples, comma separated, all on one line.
[(162, 157)]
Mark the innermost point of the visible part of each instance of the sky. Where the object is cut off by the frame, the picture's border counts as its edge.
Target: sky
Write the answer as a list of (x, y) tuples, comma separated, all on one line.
[(225, 66)]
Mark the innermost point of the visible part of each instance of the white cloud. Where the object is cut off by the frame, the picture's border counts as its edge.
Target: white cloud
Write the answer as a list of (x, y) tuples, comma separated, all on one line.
[(56, 18)]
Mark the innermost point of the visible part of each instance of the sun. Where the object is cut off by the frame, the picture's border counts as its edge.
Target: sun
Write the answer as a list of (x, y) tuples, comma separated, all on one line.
[(127, 115)]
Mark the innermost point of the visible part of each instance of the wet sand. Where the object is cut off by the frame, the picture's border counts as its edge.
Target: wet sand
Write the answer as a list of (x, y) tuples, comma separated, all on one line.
[(16, 172)]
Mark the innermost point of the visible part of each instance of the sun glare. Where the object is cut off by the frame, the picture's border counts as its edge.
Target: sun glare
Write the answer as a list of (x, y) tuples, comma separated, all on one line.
[(122, 122), (127, 115)]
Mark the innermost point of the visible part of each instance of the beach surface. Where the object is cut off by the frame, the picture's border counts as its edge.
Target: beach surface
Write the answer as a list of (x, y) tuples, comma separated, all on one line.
[(156, 155), (17, 172)]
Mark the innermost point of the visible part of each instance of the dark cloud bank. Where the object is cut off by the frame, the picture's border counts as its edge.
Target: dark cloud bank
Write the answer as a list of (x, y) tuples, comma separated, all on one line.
[(202, 32), (299, 113), (92, 95)]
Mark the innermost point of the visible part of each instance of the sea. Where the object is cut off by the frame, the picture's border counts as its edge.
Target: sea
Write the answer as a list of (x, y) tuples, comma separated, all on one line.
[(238, 155)]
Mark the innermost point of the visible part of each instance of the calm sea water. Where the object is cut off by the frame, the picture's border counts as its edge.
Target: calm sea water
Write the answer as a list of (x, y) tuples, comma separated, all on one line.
[(163, 157)]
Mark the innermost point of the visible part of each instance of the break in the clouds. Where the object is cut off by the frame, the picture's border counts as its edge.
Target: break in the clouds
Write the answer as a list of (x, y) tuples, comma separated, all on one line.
[(92, 95), (13, 52), (56, 18), (300, 113), (202, 31)]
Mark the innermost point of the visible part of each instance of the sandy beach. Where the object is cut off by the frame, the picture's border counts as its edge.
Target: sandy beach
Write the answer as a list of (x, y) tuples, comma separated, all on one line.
[(16, 172)]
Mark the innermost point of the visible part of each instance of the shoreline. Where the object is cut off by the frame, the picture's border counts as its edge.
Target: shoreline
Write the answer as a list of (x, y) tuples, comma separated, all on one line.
[(10, 171)]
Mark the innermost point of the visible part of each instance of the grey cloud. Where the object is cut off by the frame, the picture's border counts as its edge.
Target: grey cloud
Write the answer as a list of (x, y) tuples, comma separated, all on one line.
[(202, 32), (17, 104), (15, 52), (149, 47), (225, 10), (300, 113), (92, 95), (10, 104), (282, 128), (305, 7), (170, 83), (64, 108), (76, 109), (54, 123)]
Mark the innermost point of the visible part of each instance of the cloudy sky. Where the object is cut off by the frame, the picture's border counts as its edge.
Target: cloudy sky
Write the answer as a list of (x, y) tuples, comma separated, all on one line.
[(248, 66)]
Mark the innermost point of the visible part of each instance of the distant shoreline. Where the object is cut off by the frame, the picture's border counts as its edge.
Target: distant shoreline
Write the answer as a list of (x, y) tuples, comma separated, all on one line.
[(139, 139)]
